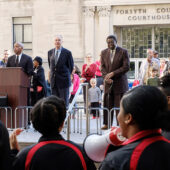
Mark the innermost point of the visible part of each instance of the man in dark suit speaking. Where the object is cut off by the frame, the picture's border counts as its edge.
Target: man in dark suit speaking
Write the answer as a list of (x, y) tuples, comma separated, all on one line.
[(19, 59), (61, 66), (114, 66)]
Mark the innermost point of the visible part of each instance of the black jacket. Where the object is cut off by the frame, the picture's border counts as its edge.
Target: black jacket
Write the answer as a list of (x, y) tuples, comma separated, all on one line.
[(50, 53), (155, 157), (53, 156), (25, 62), (6, 155), (38, 79), (60, 74)]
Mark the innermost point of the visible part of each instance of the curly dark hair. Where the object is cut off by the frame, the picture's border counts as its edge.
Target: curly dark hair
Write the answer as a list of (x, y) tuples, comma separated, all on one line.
[(48, 115), (148, 107)]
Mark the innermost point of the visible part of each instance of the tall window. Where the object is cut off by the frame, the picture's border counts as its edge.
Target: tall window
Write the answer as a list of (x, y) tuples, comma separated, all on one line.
[(162, 41), (22, 32), (137, 41)]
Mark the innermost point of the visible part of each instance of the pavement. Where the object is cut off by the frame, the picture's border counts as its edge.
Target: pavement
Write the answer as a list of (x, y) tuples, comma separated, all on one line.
[(77, 130)]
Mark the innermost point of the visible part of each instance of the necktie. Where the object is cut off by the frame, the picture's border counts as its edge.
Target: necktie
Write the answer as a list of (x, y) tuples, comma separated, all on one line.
[(56, 57), (111, 56), (17, 61)]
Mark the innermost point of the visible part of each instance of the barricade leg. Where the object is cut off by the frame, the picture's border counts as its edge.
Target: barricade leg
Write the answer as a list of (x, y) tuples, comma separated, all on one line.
[(100, 122), (74, 122), (68, 128), (81, 117), (23, 111), (11, 116), (78, 122)]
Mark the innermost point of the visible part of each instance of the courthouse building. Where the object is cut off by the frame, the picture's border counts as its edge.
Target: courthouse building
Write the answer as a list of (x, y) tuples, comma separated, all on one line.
[(85, 24)]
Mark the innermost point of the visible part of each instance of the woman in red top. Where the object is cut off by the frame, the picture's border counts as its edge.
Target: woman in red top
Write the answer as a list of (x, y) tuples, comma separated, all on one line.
[(88, 72), (89, 69)]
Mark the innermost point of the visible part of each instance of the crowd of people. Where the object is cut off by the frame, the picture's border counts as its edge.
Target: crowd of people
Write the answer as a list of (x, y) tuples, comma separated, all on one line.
[(143, 118), (153, 68)]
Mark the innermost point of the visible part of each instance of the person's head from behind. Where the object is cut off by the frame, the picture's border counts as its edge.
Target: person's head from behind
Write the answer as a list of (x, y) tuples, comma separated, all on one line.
[(93, 82), (74, 70), (143, 108), (154, 72), (48, 115), (165, 87), (111, 42)]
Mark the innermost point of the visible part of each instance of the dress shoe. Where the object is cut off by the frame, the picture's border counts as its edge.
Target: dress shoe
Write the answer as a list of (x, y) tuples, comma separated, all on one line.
[(105, 127)]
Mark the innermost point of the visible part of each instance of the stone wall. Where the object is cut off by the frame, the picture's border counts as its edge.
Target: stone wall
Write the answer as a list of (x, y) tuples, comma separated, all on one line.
[(49, 18)]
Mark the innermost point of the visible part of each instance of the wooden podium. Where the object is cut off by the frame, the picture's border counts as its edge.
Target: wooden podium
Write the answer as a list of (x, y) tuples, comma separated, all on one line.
[(14, 82)]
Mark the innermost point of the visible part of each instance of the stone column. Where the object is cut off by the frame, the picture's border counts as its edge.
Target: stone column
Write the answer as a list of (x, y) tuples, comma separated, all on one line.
[(89, 29), (103, 27)]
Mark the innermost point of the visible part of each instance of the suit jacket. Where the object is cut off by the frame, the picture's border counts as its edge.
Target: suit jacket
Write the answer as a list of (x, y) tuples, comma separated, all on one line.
[(60, 74), (50, 54), (119, 66), (25, 62)]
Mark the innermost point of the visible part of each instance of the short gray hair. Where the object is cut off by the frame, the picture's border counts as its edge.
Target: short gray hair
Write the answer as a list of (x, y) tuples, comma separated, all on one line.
[(20, 44), (59, 36)]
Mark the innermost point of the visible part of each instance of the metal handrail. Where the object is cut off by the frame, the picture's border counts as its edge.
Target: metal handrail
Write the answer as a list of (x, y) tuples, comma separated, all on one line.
[(69, 111), (22, 107), (6, 108)]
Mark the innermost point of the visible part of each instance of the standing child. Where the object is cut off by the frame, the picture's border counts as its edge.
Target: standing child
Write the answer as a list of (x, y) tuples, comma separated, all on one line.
[(154, 80), (95, 97)]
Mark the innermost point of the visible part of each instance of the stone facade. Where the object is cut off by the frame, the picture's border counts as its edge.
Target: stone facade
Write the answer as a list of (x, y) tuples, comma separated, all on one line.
[(49, 18), (84, 24)]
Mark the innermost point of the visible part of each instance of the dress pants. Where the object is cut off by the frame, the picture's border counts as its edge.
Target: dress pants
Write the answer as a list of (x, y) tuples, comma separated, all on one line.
[(62, 93), (111, 100), (93, 111)]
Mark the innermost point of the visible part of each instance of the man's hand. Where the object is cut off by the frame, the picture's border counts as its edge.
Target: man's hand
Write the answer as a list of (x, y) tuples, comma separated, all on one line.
[(109, 75)]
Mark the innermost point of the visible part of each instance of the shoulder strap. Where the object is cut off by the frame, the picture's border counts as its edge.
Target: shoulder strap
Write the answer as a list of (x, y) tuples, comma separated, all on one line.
[(60, 142), (141, 147)]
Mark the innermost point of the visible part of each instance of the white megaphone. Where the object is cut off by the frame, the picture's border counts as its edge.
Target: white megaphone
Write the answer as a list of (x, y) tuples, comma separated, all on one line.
[(96, 146)]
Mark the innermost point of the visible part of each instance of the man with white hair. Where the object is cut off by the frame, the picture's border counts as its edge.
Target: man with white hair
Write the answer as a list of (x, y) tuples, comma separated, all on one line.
[(19, 59), (146, 67), (61, 66)]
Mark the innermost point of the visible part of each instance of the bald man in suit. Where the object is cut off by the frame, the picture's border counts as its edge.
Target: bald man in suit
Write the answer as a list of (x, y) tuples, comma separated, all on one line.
[(114, 66), (19, 59)]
